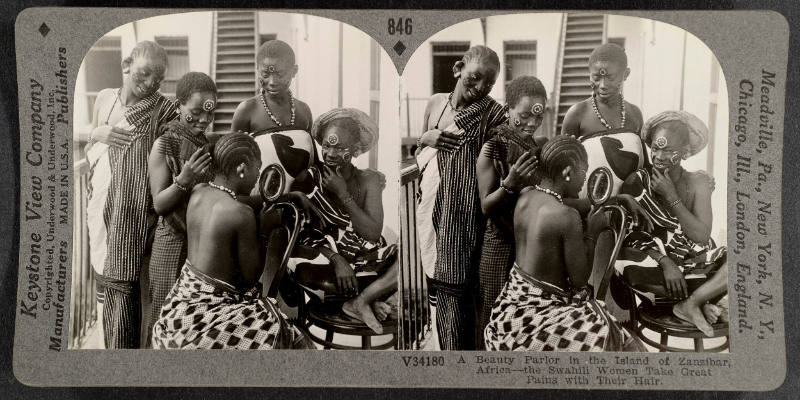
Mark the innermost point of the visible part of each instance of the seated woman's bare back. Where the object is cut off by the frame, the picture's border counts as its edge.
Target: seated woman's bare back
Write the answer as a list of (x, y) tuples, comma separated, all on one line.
[(222, 237), (545, 233)]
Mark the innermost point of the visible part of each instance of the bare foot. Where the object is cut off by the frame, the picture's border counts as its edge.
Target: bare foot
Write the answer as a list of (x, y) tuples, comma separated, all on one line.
[(380, 309), (712, 312), (362, 312), (724, 315), (693, 315)]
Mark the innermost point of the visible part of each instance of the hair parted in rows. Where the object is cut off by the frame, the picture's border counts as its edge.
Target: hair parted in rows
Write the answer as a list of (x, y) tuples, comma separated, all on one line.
[(481, 54), (610, 52), (524, 86), (558, 153), (194, 82), (233, 149), (275, 49), (148, 49)]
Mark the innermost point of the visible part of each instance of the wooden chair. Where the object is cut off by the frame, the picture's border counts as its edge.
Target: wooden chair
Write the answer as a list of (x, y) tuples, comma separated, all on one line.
[(287, 221), (645, 315)]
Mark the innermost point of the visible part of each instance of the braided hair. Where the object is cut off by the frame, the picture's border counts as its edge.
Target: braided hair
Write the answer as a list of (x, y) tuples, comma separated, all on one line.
[(150, 49), (233, 149), (194, 82), (558, 153), (610, 52), (481, 54)]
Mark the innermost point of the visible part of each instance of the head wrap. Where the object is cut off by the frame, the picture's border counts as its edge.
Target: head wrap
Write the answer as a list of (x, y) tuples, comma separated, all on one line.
[(367, 128), (697, 130)]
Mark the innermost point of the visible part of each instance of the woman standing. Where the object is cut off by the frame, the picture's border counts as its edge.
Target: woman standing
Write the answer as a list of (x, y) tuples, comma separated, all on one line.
[(179, 160), (505, 166), (216, 303)]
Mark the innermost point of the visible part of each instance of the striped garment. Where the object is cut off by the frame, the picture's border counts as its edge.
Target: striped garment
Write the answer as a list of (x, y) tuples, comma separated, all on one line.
[(457, 217), (129, 201), (126, 215), (202, 312), (697, 262), (531, 315), (335, 230), (122, 314), (459, 224)]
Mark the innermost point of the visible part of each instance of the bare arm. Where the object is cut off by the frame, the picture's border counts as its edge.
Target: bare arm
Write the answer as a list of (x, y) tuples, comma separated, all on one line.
[(168, 194), (241, 117), (572, 121), (368, 222), (489, 190), (696, 221), (112, 136), (248, 250), (578, 249), (165, 195)]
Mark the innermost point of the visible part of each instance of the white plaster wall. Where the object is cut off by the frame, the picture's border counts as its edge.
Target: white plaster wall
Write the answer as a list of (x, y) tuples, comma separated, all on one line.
[(195, 25), (542, 28), (656, 58)]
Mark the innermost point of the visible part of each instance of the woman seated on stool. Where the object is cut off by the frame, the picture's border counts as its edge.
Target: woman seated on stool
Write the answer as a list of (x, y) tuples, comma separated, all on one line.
[(216, 303), (676, 260), (355, 259)]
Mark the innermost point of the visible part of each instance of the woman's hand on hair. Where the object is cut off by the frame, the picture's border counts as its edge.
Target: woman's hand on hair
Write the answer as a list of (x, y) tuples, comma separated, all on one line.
[(519, 175), (197, 165), (112, 136), (334, 182), (445, 141), (663, 185)]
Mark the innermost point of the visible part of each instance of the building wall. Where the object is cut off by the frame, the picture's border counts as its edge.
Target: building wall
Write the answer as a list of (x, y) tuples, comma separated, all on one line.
[(543, 28), (663, 78), (315, 41), (196, 26)]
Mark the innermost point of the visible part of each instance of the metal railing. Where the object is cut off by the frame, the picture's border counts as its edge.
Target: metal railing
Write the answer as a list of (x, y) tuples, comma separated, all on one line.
[(83, 303), (414, 310)]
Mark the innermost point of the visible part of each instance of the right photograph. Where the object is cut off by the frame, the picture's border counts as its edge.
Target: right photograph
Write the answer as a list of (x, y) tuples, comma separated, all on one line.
[(563, 187)]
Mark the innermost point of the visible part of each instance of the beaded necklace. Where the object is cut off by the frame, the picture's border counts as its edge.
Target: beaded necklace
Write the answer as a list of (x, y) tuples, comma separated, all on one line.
[(603, 120), (272, 116), (550, 192), (224, 189)]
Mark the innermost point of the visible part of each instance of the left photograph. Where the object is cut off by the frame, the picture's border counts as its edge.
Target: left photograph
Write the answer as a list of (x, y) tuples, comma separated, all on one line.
[(229, 188)]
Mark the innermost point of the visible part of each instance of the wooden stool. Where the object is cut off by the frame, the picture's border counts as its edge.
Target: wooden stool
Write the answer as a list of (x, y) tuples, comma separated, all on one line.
[(329, 317), (660, 319)]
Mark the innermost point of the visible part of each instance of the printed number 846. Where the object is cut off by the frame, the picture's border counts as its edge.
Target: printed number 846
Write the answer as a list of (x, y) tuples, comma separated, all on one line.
[(399, 26)]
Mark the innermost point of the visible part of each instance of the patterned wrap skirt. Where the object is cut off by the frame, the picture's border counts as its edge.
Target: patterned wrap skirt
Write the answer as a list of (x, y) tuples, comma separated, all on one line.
[(530, 315), (202, 312)]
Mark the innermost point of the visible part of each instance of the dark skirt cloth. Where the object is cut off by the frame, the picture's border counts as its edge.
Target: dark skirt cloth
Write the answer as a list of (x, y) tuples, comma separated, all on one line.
[(530, 315), (205, 313)]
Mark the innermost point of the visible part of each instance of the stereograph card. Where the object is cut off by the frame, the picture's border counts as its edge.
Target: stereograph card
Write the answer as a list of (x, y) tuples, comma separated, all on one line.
[(381, 243)]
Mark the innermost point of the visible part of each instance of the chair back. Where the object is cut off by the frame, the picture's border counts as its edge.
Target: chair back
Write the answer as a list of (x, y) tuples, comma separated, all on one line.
[(621, 224), (287, 220)]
